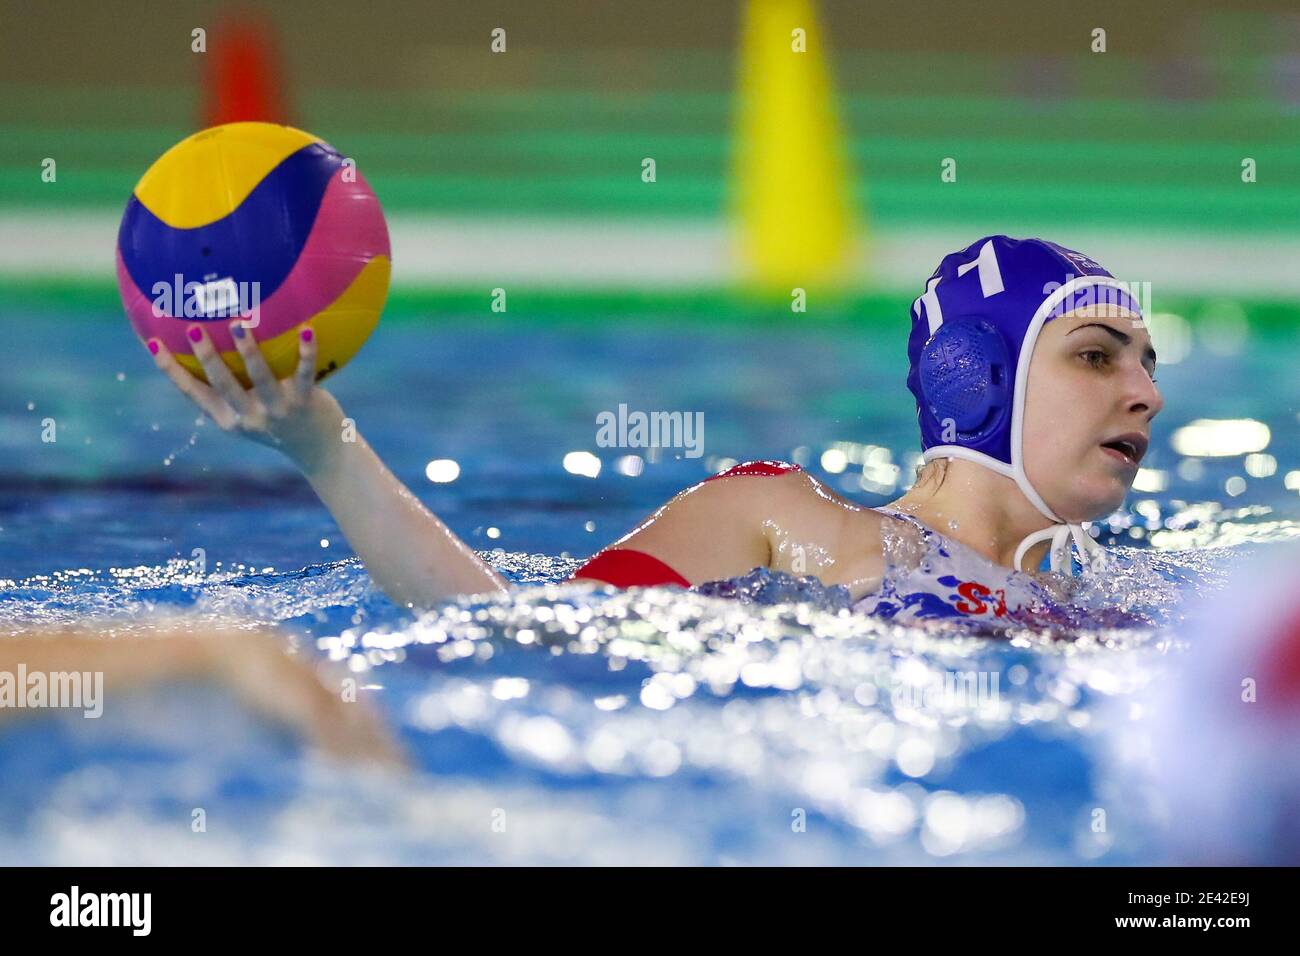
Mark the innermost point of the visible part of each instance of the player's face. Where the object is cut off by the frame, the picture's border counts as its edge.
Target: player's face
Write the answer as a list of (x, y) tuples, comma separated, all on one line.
[(1088, 409)]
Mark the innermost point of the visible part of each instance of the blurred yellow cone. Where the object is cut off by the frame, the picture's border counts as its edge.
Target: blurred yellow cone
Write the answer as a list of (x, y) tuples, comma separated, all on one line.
[(793, 205)]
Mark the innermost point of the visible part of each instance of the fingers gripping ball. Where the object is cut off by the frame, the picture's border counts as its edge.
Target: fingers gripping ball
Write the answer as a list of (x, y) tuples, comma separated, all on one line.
[(260, 221)]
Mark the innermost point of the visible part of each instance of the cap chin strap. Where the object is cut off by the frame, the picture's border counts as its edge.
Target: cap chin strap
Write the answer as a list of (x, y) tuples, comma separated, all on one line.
[(1092, 556)]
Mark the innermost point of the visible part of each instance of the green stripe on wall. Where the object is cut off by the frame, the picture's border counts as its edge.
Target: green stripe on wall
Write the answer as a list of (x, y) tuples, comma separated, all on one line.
[(93, 300)]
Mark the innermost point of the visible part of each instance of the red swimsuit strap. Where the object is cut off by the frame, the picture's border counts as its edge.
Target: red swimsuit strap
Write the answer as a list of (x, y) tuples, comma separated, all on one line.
[(765, 469), (628, 568)]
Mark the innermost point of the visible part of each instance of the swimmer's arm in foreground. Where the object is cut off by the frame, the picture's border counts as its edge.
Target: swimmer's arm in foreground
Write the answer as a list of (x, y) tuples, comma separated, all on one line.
[(250, 662), (410, 553)]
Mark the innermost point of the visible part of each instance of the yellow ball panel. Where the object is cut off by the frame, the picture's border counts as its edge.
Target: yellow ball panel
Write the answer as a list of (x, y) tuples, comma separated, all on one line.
[(206, 176)]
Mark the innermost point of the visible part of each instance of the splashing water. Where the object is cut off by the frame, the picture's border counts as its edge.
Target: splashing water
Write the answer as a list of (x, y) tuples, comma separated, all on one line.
[(724, 723)]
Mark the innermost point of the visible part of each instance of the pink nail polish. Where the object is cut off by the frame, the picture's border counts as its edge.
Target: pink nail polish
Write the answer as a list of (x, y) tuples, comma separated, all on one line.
[(153, 346), (196, 334), (306, 335)]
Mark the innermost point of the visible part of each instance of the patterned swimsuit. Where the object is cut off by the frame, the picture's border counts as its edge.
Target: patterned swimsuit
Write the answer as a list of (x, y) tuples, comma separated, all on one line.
[(929, 576)]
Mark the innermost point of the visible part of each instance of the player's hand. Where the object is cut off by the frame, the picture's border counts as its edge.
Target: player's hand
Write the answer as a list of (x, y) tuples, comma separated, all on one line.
[(293, 414)]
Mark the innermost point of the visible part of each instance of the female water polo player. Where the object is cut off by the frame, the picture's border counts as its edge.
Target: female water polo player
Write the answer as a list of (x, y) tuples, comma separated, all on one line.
[(1033, 374)]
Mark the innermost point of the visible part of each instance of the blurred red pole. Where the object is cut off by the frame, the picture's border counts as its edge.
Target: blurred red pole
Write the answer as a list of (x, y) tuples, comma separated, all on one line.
[(243, 79)]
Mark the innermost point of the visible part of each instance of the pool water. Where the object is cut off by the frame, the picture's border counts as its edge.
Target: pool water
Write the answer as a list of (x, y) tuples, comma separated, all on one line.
[(566, 724)]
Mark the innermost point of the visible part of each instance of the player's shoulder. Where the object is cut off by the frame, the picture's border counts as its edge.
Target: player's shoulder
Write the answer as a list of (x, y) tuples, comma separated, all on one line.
[(739, 489), (763, 479), (781, 486), (790, 504)]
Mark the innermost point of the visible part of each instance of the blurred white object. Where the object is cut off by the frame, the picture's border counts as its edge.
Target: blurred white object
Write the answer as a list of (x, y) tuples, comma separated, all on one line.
[(1226, 726)]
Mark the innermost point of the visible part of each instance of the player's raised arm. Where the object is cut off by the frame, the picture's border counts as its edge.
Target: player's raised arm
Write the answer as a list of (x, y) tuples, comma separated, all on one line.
[(410, 553)]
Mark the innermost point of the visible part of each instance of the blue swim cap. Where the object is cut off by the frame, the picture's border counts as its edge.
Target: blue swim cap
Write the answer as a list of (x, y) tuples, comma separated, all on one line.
[(973, 335)]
